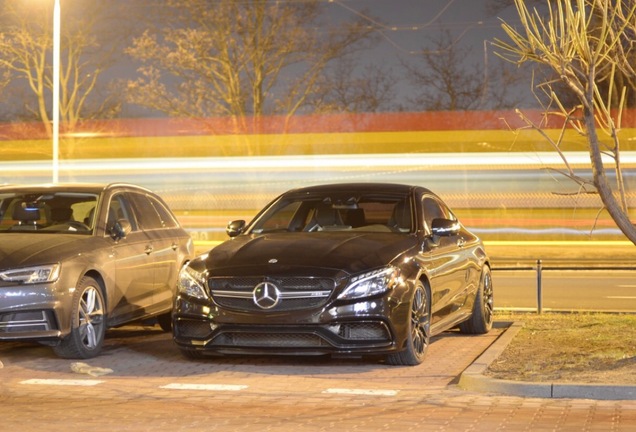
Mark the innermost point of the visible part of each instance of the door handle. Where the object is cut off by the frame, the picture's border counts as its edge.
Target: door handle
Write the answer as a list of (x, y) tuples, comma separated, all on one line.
[(175, 246), (148, 249), (461, 242)]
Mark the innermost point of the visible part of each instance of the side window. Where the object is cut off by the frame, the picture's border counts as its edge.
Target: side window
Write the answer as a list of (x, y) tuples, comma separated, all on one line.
[(147, 216), (432, 210), (167, 219), (119, 208)]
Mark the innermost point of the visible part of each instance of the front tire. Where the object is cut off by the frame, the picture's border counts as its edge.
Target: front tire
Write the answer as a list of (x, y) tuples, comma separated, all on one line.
[(88, 322), (419, 330), (481, 319)]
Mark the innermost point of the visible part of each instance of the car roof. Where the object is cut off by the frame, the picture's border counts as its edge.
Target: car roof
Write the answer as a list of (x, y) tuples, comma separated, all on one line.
[(68, 187), (360, 187)]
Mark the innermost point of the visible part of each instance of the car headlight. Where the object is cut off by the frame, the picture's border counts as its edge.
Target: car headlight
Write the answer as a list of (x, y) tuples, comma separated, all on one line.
[(191, 283), (32, 275), (371, 283)]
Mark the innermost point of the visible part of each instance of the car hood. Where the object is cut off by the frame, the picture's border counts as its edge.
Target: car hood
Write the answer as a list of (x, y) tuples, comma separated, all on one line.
[(17, 250), (305, 253)]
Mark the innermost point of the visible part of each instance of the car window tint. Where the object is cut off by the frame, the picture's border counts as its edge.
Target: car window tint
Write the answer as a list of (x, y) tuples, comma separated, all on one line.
[(285, 217), (167, 219), (119, 208), (45, 211), (147, 216), (433, 209), (364, 212)]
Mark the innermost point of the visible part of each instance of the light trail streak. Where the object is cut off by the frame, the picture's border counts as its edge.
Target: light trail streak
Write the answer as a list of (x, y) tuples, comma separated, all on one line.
[(441, 161)]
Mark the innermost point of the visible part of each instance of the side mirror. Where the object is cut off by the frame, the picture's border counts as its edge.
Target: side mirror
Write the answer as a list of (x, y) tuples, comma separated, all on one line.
[(444, 227), (235, 228), (121, 229)]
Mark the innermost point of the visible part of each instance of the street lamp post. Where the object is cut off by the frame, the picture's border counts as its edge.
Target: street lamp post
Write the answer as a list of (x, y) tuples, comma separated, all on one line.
[(56, 89)]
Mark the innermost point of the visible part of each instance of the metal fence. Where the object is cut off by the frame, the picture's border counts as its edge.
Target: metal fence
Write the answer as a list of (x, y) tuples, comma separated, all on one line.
[(539, 267)]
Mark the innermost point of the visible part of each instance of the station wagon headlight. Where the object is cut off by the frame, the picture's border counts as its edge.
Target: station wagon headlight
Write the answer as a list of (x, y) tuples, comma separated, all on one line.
[(192, 283), (32, 275), (371, 283)]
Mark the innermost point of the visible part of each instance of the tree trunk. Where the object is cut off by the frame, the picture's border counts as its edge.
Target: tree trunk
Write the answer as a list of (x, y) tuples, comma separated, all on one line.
[(620, 217)]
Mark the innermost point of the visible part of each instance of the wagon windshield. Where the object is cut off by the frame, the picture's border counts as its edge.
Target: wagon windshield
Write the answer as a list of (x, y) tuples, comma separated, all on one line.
[(46, 212)]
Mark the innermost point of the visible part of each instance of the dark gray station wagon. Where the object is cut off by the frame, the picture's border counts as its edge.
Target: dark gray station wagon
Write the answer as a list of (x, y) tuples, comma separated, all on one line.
[(76, 259)]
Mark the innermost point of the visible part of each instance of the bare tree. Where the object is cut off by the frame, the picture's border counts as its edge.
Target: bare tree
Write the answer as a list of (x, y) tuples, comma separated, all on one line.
[(584, 42), (343, 89), (239, 58), (25, 47), (448, 82), (5, 78)]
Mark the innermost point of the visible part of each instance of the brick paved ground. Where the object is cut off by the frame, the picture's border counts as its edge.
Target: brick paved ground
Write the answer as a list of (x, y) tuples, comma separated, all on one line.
[(153, 388)]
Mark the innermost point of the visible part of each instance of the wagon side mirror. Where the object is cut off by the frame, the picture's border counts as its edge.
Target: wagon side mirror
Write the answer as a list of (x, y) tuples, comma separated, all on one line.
[(120, 229)]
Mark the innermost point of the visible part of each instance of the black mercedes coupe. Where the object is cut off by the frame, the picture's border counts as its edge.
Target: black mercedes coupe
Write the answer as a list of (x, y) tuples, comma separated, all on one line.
[(344, 270)]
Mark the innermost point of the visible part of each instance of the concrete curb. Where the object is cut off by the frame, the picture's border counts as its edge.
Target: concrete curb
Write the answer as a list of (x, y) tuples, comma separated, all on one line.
[(473, 378)]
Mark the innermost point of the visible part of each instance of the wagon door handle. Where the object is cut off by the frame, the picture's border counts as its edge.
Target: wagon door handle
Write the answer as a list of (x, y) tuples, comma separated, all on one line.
[(148, 249), (175, 246), (461, 242)]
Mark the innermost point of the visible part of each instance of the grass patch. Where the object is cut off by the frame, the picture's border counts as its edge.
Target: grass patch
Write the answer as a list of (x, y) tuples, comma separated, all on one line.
[(571, 347)]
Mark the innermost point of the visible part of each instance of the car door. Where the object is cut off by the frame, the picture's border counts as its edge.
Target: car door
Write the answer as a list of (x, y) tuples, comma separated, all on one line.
[(134, 264), (447, 270), (163, 233)]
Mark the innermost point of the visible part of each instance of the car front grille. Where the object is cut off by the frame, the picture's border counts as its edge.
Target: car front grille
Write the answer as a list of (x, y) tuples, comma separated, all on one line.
[(270, 340), (192, 329), (20, 322), (285, 294), (364, 331), (335, 335)]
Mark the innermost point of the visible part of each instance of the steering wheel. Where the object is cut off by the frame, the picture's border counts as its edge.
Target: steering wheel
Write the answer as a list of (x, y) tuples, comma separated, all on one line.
[(78, 225)]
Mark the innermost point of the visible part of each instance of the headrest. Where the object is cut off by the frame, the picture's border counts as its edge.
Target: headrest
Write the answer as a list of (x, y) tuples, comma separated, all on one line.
[(25, 214), (401, 217), (327, 216)]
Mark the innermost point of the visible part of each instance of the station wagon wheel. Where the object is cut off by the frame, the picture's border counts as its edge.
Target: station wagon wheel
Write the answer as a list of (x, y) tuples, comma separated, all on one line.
[(419, 330), (88, 323), (481, 319)]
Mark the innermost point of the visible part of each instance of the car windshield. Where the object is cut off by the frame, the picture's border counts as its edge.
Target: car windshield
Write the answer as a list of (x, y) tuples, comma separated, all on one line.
[(371, 212), (46, 212)]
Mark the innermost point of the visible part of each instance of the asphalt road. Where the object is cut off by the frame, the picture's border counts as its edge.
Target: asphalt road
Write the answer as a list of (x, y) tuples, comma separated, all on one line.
[(566, 290)]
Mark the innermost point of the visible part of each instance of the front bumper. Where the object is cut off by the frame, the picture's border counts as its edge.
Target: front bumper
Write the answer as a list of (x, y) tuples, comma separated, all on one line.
[(29, 325), (366, 327), (31, 312)]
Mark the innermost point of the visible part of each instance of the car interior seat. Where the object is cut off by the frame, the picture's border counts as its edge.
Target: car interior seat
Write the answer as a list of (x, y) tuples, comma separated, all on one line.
[(60, 215), (26, 217), (401, 217)]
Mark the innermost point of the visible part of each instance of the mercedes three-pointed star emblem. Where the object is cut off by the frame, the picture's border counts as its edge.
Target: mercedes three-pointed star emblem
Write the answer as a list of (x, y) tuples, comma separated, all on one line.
[(266, 295)]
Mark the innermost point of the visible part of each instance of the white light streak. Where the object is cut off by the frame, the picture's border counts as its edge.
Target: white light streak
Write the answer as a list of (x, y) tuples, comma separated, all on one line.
[(441, 161)]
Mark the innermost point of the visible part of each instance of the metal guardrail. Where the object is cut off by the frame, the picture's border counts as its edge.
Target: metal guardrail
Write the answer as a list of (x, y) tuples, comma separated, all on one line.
[(540, 268)]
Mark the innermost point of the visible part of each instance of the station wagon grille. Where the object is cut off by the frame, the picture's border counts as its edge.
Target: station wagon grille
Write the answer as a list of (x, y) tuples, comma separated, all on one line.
[(18, 322)]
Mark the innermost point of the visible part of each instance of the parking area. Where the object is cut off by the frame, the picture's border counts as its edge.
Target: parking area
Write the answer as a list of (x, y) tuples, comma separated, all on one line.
[(149, 385), (149, 356)]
